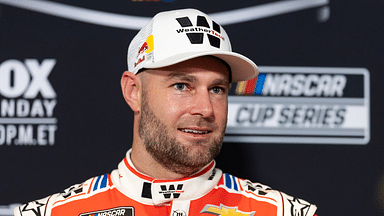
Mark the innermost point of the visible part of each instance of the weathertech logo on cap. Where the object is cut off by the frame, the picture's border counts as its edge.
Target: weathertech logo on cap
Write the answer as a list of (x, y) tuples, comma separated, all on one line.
[(196, 34)]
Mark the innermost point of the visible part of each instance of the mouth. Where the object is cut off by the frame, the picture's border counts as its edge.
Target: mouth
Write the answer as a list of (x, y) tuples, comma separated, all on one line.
[(195, 131)]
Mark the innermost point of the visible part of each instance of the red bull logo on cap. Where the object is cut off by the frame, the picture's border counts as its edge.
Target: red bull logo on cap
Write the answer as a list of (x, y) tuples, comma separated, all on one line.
[(143, 48), (147, 47)]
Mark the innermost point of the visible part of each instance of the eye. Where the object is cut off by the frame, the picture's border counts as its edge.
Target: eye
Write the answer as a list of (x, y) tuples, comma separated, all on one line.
[(180, 86), (217, 90)]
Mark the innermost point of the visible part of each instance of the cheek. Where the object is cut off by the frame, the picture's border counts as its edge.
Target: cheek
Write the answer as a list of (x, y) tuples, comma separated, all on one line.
[(167, 107), (221, 112), (175, 106)]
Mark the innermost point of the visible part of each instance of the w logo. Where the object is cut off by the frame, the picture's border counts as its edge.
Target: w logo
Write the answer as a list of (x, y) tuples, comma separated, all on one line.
[(196, 33), (171, 190)]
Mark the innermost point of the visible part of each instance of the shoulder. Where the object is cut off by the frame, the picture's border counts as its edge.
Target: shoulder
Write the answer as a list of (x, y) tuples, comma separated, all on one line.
[(76, 192), (286, 205)]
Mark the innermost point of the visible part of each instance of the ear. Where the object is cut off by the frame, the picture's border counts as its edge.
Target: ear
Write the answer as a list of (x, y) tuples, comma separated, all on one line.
[(130, 86)]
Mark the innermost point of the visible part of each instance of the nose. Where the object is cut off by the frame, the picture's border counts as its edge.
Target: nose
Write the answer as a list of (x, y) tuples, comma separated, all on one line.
[(202, 104)]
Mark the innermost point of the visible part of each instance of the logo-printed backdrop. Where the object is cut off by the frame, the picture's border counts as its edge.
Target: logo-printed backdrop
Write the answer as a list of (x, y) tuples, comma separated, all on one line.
[(314, 132)]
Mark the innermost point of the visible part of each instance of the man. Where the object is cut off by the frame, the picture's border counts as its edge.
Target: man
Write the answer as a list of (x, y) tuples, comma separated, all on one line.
[(180, 69)]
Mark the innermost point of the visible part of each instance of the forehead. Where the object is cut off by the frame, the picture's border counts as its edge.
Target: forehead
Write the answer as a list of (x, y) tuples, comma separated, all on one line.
[(200, 64)]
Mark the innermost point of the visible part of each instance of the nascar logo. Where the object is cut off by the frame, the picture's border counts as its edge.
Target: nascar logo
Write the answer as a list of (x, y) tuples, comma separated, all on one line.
[(307, 85), (121, 211), (301, 105)]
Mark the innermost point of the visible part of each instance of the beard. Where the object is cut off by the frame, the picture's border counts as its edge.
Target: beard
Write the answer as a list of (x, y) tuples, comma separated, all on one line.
[(168, 151)]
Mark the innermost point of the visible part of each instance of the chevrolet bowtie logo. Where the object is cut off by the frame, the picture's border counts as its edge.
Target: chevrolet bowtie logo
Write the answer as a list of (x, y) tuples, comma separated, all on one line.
[(225, 211)]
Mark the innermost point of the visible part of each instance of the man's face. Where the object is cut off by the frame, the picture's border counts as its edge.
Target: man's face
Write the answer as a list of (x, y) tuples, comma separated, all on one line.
[(184, 113)]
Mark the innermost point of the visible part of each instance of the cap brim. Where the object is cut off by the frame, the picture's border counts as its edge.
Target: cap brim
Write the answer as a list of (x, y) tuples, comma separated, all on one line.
[(242, 67)]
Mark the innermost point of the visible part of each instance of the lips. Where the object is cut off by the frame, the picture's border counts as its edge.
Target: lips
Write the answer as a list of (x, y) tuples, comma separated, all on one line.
[(195, 131)]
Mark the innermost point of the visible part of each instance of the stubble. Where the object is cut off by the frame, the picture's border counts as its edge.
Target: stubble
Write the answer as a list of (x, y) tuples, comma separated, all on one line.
[(168, 151)]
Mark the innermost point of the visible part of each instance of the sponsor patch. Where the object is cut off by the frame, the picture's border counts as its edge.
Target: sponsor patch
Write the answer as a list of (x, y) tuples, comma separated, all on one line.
[(225, 211), (120, 211), (301, 105), (256, 188), (74, 190), (174, 190)]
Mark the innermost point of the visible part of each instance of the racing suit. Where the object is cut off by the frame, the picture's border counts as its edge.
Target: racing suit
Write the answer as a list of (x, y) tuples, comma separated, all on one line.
[(127, 192)]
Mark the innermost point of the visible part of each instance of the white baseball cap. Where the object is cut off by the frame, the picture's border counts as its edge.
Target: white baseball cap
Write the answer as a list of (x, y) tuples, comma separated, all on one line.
[(179, 35)]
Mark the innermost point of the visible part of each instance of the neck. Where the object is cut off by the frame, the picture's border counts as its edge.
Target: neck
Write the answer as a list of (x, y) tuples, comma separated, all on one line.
[(147, 165)]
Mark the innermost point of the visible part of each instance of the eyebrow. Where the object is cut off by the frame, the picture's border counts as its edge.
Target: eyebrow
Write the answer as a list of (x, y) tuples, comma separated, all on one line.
[(181, 76), (221, 82), (190, 78)]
